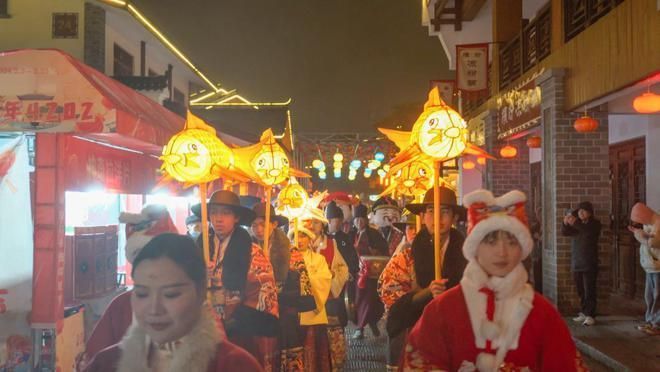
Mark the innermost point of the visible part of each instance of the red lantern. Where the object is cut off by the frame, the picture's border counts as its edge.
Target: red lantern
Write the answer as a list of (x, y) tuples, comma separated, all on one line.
[(534, 142), (508, 152), (468, 164), (647, 103), (585, 124)]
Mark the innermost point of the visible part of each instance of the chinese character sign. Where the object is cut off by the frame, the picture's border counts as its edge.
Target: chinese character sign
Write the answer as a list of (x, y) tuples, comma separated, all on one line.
[(472, 67)]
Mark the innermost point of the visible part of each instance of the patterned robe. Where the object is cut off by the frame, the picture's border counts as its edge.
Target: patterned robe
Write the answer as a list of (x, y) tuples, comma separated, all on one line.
[(393, 237)]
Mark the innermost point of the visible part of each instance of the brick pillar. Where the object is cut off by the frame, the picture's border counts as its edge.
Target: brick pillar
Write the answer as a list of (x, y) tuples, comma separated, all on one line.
[(575, 169), (95, 36), (47, 287), (504, 175)]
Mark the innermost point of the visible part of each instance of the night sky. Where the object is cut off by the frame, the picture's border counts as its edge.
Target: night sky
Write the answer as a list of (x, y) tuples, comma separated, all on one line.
[(347, 64)]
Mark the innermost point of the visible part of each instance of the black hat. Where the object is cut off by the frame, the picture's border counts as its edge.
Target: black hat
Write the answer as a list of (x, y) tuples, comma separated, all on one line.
[(249, 201), (384, 202), (192, 219), (333, 211), (227, 198), (447, 198), (360, 210), (259, 210), (587, 206), (411, 220)]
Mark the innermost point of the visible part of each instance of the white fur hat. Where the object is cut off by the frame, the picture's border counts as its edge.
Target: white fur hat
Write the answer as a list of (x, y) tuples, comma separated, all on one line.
[(154, 219), (487, 213)]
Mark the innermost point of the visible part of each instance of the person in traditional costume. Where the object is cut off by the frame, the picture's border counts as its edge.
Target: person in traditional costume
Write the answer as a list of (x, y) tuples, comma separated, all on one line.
[(409, 228), (241, 281), (335, 217), (153, 219), (370, 246), (314, 323), (493, 320), (173, 328), (279, 250), (193, 226), (405, 284), (386, 212), (343, 201), (333, 250)]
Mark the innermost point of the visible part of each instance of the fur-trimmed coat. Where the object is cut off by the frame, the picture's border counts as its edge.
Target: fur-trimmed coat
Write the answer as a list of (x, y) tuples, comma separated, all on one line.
[(203, 349)]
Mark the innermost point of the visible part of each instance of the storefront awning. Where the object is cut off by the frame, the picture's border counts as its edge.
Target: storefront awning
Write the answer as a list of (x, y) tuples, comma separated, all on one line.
[(47, 90)]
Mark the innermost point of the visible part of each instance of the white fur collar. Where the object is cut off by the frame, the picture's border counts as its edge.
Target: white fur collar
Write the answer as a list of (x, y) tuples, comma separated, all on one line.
[(197, 349), (513, 302)]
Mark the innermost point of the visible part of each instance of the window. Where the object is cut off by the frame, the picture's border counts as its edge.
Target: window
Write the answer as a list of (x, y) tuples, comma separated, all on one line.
[(4, 11), (123, 62), (65, 25), (178, 97)]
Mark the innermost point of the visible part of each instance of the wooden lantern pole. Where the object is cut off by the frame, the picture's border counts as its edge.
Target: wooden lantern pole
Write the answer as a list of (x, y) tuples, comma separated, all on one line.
[(269, 191), (437, 174), (205, 222), (418, 218), (295, 232)]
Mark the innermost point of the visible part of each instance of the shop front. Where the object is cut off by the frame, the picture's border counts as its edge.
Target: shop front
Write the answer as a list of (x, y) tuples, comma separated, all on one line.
[(83, 147)]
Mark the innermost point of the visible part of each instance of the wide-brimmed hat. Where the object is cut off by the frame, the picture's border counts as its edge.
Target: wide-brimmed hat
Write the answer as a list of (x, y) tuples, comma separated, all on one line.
[(447, 199), (193, 218), (259, 210), (385, 202), (227, 198), (411, 220)]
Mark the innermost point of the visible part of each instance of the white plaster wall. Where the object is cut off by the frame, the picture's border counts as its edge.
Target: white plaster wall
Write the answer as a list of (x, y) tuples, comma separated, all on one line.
[(30, 25), (122, 29), (535, 155), (626, 127), (470, 180), (479, 30)]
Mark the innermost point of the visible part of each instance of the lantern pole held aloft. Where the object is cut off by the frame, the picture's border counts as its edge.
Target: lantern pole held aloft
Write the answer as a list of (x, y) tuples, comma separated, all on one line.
[(205, 222), (269, 191), (295, 232), (418, 218), (437, 174)]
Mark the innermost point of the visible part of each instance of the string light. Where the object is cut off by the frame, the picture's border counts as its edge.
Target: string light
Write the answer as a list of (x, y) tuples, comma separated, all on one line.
[(338, 157), (379, 156), (356, 164)]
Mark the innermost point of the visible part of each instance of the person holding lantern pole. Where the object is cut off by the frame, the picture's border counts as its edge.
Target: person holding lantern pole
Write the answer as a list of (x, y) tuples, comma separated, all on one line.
[(314, 322), (493, 320), (242, 287), (369, 244), (407, 283)]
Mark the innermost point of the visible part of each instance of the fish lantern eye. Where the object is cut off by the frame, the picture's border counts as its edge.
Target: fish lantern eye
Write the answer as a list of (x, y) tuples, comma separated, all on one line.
[(422, 172), (398, 173), (433, 123)]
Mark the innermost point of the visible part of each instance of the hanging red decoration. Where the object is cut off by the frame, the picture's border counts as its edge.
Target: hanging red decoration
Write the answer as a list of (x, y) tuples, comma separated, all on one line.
[(534, 142), (468, 164), (647, 103), (585, 124), (508, 152)]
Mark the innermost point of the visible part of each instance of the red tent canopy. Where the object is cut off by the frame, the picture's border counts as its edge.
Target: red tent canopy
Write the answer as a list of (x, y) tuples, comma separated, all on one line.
[(47, 90)]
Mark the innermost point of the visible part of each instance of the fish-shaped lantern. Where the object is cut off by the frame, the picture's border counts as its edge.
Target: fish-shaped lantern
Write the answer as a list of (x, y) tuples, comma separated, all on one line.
[(439, 134), (291, 200), (265, 162), (410, 178)]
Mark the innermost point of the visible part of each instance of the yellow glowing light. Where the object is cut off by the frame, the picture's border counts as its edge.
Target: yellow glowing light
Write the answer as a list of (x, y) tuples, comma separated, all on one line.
[(338, 157), (440, 131), (412, 179), (271, 163), (373, 164), (291, 200), (196, 154), (244, 103), (337, 164), (316, 163), (481, 160), (468, 164)]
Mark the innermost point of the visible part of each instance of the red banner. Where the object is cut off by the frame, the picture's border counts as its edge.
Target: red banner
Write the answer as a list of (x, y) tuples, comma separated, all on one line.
[(472, 67), (89, 165)]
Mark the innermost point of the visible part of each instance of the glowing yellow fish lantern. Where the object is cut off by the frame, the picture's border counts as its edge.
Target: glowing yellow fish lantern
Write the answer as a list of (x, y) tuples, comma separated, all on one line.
[(291, 200), (196, 155), (440, 131), (265, 162), (412, 179)]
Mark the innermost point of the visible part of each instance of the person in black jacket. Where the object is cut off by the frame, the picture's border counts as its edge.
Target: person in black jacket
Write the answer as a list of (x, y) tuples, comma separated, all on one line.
[(407, 284), (581, 225)]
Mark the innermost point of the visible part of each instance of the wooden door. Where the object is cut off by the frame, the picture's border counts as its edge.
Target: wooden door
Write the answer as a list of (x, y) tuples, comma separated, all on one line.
[(95, 251), (628, 180)]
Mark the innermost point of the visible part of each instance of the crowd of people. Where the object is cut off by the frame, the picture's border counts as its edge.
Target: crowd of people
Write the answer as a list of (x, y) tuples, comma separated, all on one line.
[(284, 307)]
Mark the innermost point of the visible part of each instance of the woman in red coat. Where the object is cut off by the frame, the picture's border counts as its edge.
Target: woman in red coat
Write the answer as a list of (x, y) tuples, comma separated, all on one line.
[(173, 329), (493, 320)]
